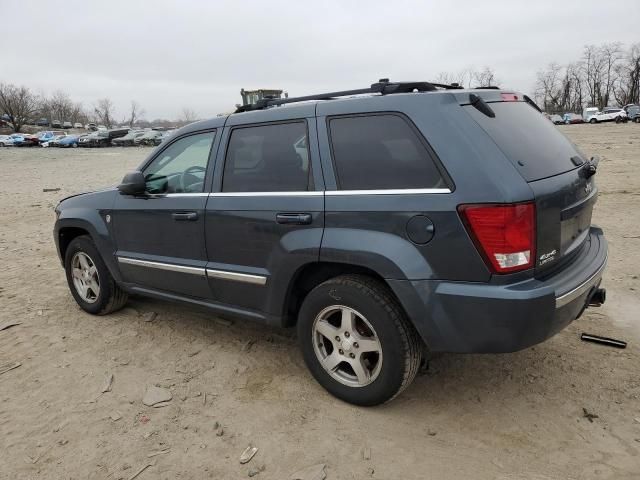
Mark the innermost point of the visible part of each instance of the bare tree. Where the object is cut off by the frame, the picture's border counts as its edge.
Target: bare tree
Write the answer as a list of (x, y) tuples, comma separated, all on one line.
[(611, 54), (104, 112), (188, 116), (19, 103), (627, 81), (484, 78), (549, 87), (136, 113)]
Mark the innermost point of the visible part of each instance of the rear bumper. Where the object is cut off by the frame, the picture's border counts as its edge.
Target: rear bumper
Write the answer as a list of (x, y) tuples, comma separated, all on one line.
[(478, 318)]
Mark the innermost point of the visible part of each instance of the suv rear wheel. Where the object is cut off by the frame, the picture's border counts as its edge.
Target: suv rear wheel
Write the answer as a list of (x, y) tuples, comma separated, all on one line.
[(90, 282), (593, 120), (356, 340)]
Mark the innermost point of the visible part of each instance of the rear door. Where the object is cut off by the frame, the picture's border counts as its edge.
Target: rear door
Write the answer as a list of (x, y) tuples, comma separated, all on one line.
[(265, 217), (553, 168)]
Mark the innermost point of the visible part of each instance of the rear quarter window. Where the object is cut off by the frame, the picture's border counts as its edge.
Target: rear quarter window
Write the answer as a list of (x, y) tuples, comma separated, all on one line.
[(381, 152), (534, 146)]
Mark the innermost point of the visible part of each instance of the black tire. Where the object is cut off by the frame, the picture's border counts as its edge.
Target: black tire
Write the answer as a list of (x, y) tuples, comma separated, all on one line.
[(111, 297), (400, 344), (593, 120), (618, 119)]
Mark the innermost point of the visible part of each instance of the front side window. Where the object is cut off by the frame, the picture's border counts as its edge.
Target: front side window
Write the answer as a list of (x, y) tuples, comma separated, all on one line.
[(380, 152), (267, 158), (181, 167)]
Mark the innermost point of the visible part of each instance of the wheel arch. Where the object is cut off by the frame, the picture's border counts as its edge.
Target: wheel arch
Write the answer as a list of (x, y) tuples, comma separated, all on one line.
[(310, 275)]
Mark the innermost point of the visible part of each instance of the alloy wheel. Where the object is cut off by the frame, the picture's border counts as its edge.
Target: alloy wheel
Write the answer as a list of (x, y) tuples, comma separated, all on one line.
[(347, 346)]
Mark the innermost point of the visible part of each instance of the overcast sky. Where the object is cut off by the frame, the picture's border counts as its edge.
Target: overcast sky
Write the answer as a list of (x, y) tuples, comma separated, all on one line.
[(168, 55)]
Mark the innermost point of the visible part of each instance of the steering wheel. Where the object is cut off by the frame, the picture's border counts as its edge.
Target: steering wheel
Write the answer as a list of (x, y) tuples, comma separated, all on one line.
[(188, 171)]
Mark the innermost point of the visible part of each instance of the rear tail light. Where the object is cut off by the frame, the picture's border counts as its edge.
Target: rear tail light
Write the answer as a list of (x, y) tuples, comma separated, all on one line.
[(504, 234), (509, 97)]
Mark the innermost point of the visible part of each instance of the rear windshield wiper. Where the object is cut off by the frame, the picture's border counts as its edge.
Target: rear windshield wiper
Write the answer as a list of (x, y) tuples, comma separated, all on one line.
[(590, 168)]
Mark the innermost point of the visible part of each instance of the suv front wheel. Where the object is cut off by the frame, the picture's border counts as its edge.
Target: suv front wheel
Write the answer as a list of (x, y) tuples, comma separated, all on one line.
[(89, 279), (356, 340)]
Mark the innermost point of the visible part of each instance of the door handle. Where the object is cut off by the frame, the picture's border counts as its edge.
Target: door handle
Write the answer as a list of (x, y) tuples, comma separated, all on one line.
[(294, 218), (185, 216)]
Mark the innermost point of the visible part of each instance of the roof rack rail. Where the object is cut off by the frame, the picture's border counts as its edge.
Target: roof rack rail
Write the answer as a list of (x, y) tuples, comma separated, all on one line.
[(382, 86)]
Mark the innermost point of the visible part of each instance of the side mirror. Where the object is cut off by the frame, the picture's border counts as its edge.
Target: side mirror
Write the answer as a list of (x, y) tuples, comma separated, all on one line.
[(133, 184)]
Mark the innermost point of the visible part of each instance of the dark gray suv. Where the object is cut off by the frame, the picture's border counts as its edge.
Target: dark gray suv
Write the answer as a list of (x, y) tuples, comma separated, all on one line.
[(383, 223)]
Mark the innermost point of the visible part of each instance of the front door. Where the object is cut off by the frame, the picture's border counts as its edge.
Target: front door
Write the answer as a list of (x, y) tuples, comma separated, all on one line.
[(265, 218), (160, 235)]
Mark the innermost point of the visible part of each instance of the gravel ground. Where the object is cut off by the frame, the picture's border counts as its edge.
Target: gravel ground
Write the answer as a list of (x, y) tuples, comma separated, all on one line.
[(511, 416)]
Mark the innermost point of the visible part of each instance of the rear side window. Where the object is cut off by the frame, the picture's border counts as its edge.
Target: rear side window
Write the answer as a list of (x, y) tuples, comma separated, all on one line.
[(531, 142), (268, 158), (380, 152)]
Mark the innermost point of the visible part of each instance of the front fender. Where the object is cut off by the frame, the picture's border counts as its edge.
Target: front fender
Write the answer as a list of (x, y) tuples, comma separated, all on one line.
[(89, 213)]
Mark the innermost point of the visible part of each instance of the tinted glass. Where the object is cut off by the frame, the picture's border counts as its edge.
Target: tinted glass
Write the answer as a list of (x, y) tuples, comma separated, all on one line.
[(181, 167), (533, 144), (381, 152), (267, 158)]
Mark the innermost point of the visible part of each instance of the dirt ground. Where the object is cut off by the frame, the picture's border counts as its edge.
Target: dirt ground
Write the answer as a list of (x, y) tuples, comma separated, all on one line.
[(512, 416)]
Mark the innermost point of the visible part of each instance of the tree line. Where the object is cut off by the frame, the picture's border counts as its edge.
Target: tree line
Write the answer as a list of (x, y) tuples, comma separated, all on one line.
[(21, 106), (604, 74)]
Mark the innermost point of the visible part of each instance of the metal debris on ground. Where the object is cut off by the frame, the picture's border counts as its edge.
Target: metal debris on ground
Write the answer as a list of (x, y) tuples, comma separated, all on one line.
[(9, 366), (159, 452), (108, 383), (51, 189), (248, 454), (588, 415), (314, 472), (9, 324), (142, 469), (366, 453), (610, 342)]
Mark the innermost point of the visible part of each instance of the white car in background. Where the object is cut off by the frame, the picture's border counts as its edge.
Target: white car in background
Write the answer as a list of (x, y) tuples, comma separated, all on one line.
[(6, 141), (608, 114)]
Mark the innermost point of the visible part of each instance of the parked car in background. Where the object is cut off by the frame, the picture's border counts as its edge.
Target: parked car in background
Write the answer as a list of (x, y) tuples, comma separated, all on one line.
[(103, 138), (28, 140), (54, 141), (148, 138), (56, 124), (6, 141), (165, 135), (101, 127), (43, 122), (48, 135), (85, 140), (127, 140), (17, 138), (570, 118), (588, 112), (609, 115), (67, 125), (77, 125), (91, 127), (633, 113), (69, 141), (556, 119)]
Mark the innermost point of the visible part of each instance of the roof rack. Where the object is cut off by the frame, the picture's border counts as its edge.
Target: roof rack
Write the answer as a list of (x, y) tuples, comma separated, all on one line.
[(382, 86)]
